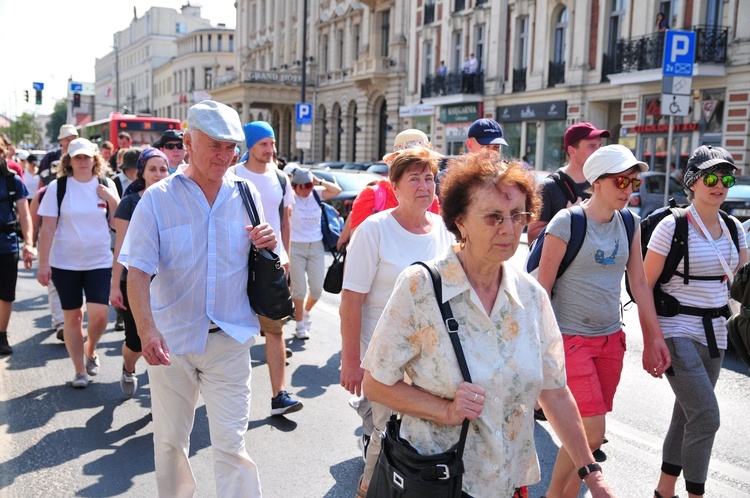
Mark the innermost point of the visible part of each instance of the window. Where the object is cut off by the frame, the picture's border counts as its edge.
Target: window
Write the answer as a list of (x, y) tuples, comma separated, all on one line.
[(356, 42), (615, 24), (231, 43), (324, 55), (456, 48), (385, 33), (561, 28), (459, 5), (210, 47), (340, 44), (180, 28), (428, 64), (220, 42), (479, 52), (522, 42), (713, 12)]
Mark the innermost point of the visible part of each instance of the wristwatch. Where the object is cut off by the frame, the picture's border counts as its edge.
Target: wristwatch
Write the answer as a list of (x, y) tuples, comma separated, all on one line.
[(588, 469)]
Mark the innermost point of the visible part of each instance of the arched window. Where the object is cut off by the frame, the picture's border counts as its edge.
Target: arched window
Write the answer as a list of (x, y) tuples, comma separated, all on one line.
[(561, 29)]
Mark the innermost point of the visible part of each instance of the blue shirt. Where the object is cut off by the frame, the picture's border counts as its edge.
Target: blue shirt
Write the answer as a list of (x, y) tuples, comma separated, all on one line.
[(9, 241), (199, 254)]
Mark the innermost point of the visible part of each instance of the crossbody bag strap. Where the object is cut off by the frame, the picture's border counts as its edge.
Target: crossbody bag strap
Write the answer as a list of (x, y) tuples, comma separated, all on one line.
[(452, 326), (247, 200)]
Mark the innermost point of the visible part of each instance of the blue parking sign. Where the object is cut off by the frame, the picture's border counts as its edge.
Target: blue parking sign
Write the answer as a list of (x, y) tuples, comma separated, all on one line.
[(679, 53), (304, 113)]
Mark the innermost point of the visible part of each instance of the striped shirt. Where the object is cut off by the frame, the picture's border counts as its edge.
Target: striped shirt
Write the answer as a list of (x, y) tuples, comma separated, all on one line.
[(199, 254), (698, 293)]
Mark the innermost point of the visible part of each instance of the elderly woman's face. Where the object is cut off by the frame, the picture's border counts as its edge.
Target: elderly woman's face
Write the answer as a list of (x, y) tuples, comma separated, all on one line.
[(479, 223), (416, 187)]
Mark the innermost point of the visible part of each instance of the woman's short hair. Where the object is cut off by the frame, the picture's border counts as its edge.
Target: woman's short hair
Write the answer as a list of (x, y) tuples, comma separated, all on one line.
[(65, 168), (484, 169), (408, 159)]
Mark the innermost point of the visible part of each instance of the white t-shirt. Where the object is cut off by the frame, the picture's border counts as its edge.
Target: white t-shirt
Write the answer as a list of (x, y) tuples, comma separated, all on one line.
[(305, 219), (379, 251), (698, 293), (270, 196), (82, 237), (32, 183)]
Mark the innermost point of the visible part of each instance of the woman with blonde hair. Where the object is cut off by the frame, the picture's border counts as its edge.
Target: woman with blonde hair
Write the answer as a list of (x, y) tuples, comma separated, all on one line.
[(74, 250)]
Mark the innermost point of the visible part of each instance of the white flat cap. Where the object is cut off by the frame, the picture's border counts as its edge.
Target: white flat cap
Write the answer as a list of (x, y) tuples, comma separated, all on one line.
[(216, 120)]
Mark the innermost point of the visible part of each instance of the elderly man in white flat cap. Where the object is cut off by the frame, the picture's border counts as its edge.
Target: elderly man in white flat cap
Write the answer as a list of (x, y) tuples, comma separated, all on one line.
[(194, 319)]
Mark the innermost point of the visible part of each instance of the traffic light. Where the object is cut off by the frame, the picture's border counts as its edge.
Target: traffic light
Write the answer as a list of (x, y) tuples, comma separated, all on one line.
[(76, 99), (27, 95), (38, 97)]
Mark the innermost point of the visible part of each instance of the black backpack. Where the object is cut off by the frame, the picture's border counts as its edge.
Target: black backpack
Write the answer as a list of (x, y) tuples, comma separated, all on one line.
[(62, 186), (566, 184), (738, 326), (12, 226), (578, 227)]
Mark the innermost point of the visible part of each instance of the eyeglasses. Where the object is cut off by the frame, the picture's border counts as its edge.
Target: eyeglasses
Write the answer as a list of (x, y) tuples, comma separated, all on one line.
[(712, 180), (305, 185), (496, 219), (622, 182), (174, 146)]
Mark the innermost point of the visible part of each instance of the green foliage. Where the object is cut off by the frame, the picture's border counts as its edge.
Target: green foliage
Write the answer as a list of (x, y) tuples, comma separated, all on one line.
[(58, 118), (24, 131)]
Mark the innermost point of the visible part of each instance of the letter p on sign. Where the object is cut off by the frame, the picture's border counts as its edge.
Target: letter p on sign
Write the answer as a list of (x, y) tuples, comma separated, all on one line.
[(680, 47)]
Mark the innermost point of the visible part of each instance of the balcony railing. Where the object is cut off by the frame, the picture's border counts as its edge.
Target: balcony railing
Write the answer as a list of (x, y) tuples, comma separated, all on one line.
[(646, 52), (519, 80), (459, 5), (556, 73), (429, 13), (453, 83)]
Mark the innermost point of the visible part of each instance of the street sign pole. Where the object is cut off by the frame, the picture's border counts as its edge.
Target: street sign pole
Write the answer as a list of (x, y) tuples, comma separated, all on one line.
[(670, 137)]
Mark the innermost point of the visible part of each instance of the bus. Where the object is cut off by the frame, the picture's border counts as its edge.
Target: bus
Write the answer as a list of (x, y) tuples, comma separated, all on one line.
[(144, 130)]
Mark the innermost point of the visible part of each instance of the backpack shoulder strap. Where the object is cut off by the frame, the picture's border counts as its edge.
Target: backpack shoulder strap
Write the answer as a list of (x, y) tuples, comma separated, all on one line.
[(678, 247), (578, 225), (566, 184), (629, 221), (317, 198), (62, 186), (732, 226), (282, 181)]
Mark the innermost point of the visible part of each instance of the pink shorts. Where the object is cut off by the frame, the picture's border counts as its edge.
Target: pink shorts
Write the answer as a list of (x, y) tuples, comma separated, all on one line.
[(593, 366)]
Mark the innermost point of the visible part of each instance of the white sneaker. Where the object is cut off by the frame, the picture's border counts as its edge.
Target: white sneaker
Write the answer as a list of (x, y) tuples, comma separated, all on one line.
[(128, 383), (300, 332)]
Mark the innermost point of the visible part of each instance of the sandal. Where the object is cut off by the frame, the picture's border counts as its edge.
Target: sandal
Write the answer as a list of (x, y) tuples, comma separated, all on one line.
[(658, 495), (361, 493)]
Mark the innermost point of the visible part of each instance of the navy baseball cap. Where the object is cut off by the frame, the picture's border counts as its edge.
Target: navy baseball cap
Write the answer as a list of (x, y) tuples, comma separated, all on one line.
[(487, 132)]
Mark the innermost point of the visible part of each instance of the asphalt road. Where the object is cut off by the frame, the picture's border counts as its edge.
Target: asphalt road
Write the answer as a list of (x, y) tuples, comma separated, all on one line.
[(58, 441)]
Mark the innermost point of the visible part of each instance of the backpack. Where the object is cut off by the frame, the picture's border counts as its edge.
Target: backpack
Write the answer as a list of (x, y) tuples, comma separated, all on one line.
[(13, 226), (566, 185), (738, 326), (578, 227), (282, 181), (331, 224), (62, 187), (665, 304)]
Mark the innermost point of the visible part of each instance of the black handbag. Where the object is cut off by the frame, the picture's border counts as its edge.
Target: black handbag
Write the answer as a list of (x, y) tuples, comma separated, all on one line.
[(267, 287), (335, 275), (401, 472)]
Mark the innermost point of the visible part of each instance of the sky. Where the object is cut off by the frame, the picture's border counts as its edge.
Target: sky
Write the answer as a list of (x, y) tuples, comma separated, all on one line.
[(50, 41)]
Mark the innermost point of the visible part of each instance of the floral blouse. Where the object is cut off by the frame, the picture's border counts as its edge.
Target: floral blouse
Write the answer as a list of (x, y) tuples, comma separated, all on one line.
[(513, 354)]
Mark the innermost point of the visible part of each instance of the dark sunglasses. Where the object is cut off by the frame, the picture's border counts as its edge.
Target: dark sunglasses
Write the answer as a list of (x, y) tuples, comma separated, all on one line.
[(174, 146), (622, 182), (712, 180), (305, 185), (496, 219)]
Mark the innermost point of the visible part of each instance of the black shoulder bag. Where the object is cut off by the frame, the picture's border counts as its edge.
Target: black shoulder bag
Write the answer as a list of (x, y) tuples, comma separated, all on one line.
[(401, 471), (267, 287)]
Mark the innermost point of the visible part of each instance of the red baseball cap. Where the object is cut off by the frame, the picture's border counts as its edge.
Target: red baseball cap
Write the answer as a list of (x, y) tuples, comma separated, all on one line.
[(582, 131)]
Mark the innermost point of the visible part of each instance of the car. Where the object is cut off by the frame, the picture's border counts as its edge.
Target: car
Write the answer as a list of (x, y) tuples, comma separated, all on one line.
[(328, 165), (351, 183), (379, 168), (355, 166), (737, 202), (650, 196)]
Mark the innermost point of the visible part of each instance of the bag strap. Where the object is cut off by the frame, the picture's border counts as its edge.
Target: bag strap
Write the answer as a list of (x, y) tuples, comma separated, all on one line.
[(247, 200), (62, 185), (566, 185), (452, 326), (282, 181)]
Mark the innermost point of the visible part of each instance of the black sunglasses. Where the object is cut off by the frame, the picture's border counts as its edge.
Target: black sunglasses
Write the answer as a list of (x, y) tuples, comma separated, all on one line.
[(174, 146)]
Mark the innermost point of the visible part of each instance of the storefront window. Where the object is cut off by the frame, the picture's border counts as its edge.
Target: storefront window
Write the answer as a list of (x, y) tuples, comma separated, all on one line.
[(554, 156), (530, 150), (513, 137)]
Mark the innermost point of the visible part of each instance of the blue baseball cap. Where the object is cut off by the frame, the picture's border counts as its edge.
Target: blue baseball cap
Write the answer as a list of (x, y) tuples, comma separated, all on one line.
[(487, 132)]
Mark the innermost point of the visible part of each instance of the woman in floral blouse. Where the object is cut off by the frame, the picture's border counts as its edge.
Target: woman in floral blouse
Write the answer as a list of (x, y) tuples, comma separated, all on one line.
[(508, 333)]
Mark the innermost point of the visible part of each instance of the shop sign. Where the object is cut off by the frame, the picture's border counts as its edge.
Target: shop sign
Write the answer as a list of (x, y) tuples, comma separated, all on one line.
[(663, 128), (457, 132), (463, 113), (271, 77), (708, 106), (545, 111), (416, 110)]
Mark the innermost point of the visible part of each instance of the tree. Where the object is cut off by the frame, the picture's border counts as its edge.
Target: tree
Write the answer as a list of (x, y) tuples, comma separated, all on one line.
[(58, 118), (23, 131)]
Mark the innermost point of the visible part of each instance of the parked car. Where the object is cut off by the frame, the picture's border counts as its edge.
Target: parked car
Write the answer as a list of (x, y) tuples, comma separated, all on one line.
[(379, 168), (650, 197), (351, 183), (328, 165), (737, 202), (355, 166)]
